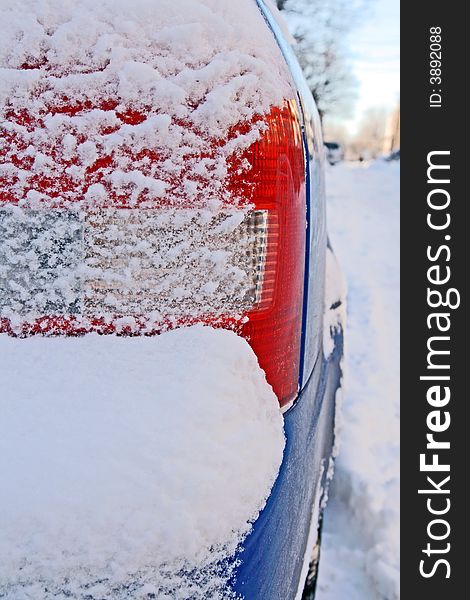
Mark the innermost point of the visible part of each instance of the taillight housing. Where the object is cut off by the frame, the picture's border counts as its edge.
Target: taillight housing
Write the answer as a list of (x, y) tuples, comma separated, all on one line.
[(147, 264)]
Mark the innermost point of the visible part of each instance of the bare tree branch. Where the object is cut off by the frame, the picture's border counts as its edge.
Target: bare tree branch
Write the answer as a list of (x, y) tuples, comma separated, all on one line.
[(321, 29)]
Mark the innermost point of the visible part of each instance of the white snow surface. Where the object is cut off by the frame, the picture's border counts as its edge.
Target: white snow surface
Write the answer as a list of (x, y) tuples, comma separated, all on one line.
[(360, 543), (127, 463)]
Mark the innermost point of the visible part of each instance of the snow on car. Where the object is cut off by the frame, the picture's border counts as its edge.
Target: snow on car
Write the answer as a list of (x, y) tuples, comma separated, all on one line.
[(130, 460), (162, 231)]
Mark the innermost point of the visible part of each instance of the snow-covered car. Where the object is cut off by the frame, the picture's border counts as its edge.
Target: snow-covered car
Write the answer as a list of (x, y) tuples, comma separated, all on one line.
[(334, 152), (162, 211)]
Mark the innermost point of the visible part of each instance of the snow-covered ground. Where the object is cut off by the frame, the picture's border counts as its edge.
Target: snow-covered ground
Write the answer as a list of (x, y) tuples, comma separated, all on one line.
[(360, 546)]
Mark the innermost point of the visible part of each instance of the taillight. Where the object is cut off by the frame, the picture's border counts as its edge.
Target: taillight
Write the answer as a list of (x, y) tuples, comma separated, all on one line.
[(94, 257), (274, 326)]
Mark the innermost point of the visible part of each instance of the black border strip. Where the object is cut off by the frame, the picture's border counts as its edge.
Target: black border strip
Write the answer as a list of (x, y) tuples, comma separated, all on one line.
[(427, 127)]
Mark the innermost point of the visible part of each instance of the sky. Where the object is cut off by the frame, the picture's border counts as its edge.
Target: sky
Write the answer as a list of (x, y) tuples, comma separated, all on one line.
[(375, 58)]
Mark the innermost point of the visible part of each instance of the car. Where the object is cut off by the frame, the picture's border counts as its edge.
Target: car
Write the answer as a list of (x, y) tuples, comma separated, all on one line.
[(334, 152), (78, 214)]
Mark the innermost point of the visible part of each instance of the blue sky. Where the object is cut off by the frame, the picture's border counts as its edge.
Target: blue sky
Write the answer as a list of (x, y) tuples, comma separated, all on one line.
[(375, 47)]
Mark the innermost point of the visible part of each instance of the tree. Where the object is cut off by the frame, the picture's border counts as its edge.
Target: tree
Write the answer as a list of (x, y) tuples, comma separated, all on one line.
[(321, 29)]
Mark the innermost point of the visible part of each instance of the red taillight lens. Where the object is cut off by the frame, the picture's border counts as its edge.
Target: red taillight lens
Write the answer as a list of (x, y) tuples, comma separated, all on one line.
[(274, 326), (145, 264)]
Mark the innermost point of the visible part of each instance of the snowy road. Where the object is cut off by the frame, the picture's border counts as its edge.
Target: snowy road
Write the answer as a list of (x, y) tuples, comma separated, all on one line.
[(360, 556)]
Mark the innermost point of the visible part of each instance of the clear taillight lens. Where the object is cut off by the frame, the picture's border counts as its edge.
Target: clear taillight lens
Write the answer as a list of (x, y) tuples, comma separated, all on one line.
[(73, 268), (159, 263)]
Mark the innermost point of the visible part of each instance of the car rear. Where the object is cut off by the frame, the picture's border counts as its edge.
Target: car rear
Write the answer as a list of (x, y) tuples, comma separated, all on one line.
[(156, 174)]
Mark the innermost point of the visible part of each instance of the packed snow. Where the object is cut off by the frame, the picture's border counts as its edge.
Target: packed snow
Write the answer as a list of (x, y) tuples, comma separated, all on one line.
[(131, 466), (360, 544)]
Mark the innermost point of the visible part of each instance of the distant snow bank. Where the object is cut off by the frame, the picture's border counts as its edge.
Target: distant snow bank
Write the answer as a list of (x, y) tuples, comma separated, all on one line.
[(130, 460), (360, 550)]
